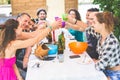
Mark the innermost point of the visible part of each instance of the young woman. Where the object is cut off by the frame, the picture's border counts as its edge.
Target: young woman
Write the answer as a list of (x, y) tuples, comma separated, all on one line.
[(108, 46), (9, 43), (76, 15), (83, 27), (42, 17)]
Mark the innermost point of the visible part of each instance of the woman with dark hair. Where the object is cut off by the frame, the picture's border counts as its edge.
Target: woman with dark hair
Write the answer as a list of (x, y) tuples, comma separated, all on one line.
[(41, 17), (9, 43), (75, 14), (81, 26), (108, 46), (77, 34), (43, 13)]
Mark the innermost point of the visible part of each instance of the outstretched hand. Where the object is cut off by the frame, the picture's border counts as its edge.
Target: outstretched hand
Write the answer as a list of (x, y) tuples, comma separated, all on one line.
[(56, 24), (71, 19)]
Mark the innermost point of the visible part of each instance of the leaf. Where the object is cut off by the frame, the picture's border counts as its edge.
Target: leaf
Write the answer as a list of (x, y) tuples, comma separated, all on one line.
[(112, 6)]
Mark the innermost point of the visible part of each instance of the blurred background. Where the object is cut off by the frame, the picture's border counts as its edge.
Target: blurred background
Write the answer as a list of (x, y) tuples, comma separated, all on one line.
[(54, 7), (11, 8)]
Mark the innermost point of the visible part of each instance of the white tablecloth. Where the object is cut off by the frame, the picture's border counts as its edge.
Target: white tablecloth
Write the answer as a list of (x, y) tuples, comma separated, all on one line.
[(71, 69)]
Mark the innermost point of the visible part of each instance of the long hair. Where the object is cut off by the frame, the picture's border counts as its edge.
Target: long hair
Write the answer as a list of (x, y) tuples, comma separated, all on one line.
[(77, 14), (7, 34)]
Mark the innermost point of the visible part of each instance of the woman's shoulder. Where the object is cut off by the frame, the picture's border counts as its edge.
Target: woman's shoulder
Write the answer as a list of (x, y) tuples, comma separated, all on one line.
[(14, 45), (112, 38)]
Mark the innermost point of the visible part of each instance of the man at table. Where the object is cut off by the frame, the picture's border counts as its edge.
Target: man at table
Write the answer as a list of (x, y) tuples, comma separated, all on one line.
[(24, 19), (108, 46), (91, 38)]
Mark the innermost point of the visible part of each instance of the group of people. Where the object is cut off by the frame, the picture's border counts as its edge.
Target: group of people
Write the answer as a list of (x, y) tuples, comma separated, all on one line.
[(23, 33), (101, 39), (13, 37)]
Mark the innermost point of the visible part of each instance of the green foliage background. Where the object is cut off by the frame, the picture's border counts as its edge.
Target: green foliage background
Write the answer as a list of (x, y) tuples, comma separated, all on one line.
[(112, 6)]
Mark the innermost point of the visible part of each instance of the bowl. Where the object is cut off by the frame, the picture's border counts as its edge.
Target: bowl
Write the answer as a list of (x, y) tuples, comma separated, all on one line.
[(53, 49), (78, 47)]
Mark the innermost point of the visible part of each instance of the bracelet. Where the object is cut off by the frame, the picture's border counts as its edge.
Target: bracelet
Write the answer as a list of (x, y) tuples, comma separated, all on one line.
[(50, 28)]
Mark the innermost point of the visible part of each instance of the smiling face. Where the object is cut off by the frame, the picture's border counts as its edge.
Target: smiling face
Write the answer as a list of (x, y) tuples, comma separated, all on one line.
[(87, 18), (24, 21), (42, 15)]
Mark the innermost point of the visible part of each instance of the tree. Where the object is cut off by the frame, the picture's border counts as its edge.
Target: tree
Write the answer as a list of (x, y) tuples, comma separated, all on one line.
[(112, 6), (9, 2)]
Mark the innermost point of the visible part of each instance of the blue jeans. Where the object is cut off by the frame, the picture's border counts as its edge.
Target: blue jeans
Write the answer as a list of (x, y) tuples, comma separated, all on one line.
[(114, 75)]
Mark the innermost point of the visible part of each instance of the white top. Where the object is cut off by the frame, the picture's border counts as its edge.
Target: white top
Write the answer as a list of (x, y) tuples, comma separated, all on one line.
[(82, 68)]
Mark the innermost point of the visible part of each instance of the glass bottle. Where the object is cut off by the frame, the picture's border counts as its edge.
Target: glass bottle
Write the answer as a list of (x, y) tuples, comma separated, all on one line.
[(61, 47), (61, 41)]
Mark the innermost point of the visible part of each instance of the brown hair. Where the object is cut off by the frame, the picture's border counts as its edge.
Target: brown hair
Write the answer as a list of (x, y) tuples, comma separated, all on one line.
[(8, 34), (77, 14), (107, 18)]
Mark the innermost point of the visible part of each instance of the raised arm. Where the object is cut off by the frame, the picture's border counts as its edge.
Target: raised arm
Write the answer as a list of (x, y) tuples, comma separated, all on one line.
[(27, 35), (75, 24), (42, 34), (80, 26)]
